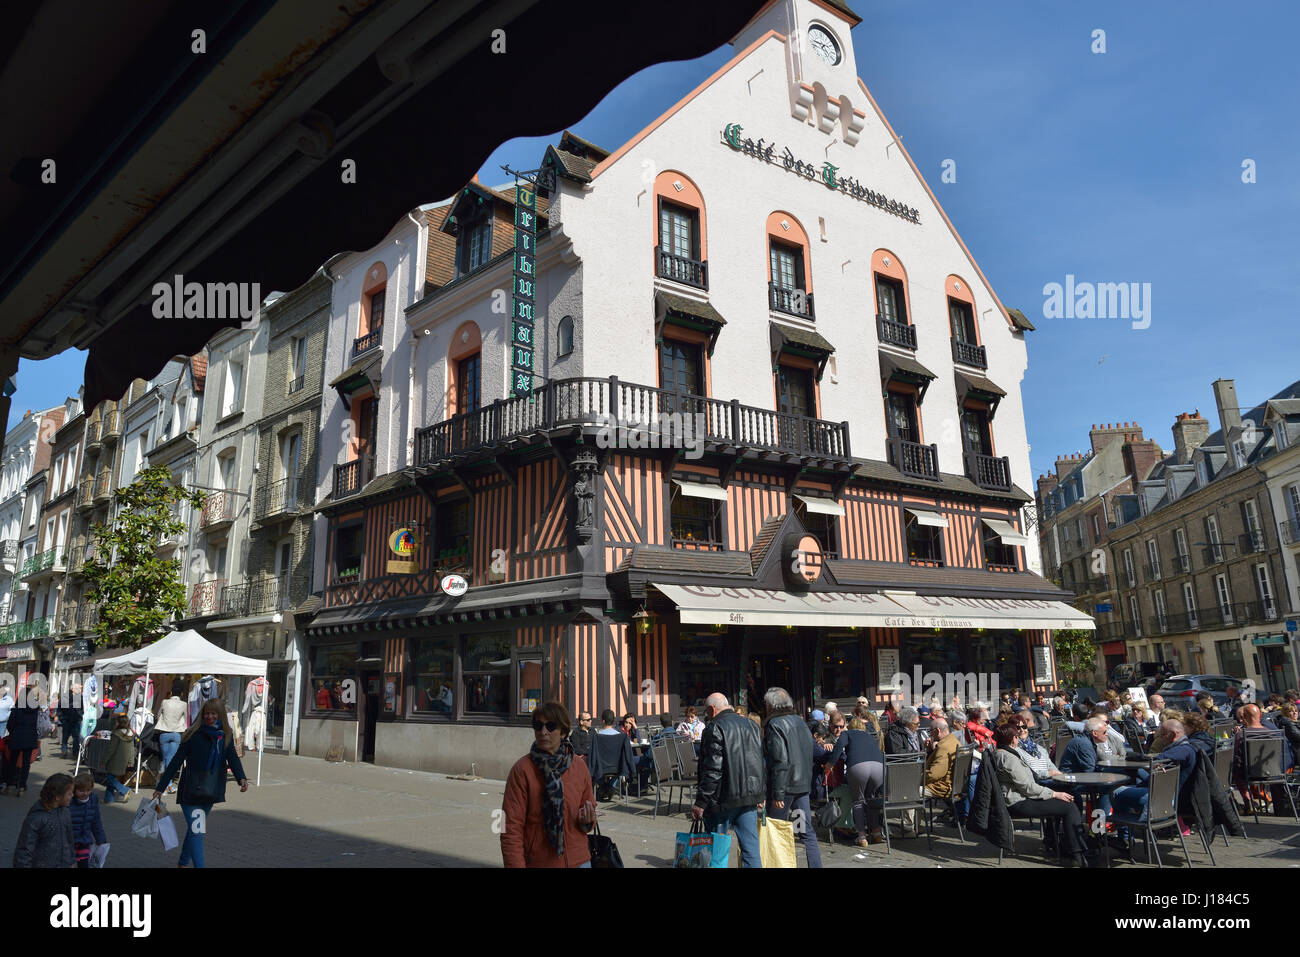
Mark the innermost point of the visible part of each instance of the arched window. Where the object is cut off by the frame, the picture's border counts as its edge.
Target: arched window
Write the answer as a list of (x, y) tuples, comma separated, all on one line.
[(789, 272), (681, 243), (464, 370), (966, 347), (370, 321), (893, 312), (564, 337)]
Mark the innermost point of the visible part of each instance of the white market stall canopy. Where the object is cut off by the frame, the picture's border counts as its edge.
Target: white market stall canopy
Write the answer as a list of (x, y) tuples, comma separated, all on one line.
[(181, 653), (710, 605)]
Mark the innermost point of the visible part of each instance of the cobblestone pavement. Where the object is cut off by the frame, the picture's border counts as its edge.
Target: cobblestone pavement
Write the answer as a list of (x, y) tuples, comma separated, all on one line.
[(308, 813)]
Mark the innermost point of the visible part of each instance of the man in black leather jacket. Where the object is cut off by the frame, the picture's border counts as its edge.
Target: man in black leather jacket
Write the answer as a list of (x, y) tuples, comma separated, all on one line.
[(788, 750), (732, 778)]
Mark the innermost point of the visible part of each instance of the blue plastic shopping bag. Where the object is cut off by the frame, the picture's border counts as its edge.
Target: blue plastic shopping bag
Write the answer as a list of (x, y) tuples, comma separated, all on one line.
[(701, 848)]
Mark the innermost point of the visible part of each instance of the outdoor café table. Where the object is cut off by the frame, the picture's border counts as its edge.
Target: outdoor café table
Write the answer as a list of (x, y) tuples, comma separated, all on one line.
[(1128, 765)]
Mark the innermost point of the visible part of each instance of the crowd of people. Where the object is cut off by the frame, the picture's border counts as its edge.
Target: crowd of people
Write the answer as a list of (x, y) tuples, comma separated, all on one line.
[(787, 766)]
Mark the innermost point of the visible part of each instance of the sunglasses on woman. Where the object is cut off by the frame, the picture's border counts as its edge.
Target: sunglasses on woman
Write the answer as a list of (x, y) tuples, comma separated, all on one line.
[(549, 725)]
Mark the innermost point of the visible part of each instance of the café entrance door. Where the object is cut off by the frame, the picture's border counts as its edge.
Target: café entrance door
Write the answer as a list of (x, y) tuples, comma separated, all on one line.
[(774, 659)]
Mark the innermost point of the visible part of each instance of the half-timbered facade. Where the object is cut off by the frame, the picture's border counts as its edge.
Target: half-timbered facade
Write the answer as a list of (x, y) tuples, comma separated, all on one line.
[(745, 413)]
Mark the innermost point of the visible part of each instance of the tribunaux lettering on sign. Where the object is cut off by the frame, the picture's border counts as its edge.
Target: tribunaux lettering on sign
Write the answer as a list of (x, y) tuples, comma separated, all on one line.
[(523, 304), (826, 172)]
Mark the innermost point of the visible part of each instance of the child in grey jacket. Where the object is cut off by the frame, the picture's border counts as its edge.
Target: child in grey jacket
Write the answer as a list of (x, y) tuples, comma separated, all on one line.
[(45, 839)]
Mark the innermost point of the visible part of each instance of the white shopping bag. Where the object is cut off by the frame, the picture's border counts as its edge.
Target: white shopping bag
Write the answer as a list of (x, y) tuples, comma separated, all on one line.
[(167, 832), (145, 823), (99, 854)]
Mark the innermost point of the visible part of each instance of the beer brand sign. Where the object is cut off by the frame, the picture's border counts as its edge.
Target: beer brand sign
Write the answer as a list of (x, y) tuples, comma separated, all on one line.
[(826, 172)]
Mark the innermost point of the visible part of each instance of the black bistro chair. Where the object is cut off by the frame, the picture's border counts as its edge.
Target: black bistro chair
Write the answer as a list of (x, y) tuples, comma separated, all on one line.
[(612, 763), (1161, 812), (901, 791), (961, 768), (1264, 764)]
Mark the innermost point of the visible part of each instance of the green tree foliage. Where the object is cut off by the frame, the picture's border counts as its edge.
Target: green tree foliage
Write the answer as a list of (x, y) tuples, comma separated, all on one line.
[(136, 591), (1076, 656)]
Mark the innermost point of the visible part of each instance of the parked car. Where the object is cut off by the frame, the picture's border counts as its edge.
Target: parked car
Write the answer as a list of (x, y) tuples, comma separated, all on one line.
[(1146, 675), (1180, 691)]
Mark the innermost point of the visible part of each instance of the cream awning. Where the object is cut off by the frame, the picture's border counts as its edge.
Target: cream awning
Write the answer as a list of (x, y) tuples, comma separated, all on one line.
[(712, 605), (926, 517), (821, 506), (698, 490), (1005, 532)]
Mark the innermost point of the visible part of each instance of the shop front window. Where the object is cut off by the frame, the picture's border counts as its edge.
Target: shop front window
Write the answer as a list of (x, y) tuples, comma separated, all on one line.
[(485, 674), (333, 679), (530, 685), (842, 668), (435, 682), (999, 655), (705, 668)]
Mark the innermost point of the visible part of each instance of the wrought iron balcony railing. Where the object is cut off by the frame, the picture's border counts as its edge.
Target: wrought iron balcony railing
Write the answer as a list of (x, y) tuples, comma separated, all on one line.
[(86, 494), (295, 385), (112, 429), (1153, 571), (914, 459), (895, 333), (968, 354), (103, 486), (989, 471), (205, 597), (25, 630), (50, 560), (1289, 532), (598, 402), (1252, 541), (9, 554), (284, 497), (692, 272), (793, 302), (262, 596), (1182, 564), (219, 509), (94, 431)]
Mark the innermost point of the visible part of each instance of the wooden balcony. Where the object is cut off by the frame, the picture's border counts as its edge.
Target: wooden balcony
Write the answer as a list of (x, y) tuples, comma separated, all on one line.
[(968, 354), (895, 333), (601, 403), (363, 344), (691, 272), (351, 477), (988, 471), (914, 459)]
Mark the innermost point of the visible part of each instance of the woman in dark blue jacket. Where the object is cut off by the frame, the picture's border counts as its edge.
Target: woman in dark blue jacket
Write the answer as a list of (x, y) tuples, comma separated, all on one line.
[(206, 750), (864, 773)]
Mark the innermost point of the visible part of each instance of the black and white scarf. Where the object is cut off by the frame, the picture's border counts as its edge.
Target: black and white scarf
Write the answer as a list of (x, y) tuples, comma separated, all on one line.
[(552, 768)]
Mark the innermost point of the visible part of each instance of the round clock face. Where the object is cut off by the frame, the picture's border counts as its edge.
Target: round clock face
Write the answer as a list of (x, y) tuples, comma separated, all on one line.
[(824, 45)]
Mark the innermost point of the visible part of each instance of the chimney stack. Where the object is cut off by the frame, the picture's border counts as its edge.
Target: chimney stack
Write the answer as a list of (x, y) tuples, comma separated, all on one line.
[(1225, 397), (1141, 457), (1190, 432), (1119, 432)]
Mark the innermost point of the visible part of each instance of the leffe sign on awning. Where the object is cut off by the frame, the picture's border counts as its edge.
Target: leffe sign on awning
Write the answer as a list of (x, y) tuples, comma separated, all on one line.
[(710, 605)]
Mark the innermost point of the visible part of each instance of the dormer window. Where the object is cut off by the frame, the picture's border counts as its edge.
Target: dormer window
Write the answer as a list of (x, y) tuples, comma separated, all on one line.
[(474, 248)]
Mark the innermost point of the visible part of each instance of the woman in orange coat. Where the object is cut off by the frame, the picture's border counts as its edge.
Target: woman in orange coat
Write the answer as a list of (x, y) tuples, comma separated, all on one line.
[(549, 802)]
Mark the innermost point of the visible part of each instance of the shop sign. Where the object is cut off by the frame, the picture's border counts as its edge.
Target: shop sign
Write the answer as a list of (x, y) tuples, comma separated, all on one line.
[(403, 544), (826, 172), (1103, 608), (81, 648), (24, 651), (803, 560), (887, 671), (1293, 625), (1042, 665), (454, 585), (523, 303)]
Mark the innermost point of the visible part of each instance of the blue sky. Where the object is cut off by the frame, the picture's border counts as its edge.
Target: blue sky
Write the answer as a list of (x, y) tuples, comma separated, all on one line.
[(1123, 166)]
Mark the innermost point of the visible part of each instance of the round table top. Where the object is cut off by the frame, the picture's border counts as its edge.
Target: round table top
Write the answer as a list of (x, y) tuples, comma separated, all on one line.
[(1091, 777), (1125, 762)]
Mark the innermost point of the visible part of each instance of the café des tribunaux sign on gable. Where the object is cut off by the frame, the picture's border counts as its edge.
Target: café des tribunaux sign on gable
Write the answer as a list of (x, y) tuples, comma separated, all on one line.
[(826, 172)]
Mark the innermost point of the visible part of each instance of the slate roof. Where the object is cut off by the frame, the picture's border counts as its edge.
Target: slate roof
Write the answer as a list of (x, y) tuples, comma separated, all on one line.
[(660, 558), (948, 482), (802, 338), (941, 580)]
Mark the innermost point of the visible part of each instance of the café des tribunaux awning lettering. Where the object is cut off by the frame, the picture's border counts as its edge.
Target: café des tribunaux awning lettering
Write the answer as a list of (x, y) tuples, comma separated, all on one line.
[(710, 605), (826, 172)]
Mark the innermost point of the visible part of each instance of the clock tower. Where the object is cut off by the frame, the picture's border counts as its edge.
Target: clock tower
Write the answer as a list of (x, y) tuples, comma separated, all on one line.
[(821, 70)]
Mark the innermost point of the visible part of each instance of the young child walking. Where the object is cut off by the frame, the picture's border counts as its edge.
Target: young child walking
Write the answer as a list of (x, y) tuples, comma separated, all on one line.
[(87, 824), (45, 839)]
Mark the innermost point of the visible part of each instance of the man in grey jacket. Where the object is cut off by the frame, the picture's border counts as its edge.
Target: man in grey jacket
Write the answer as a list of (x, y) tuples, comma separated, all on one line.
[(788, 753)]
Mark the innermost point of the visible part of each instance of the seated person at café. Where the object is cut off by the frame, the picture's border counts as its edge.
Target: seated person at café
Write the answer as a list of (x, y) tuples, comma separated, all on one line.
[(692, 727), (1078, 715), (977, 730), (1251, 726), (1286, 723), (645, 764), (939, 762), (580, 737), (607, 719), (903, 736), (1174, 746), (1035, 756), (1025, 797)]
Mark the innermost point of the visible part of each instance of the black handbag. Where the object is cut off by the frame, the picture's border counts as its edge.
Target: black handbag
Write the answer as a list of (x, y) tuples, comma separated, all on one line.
[(828, 813), (604, 852)]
